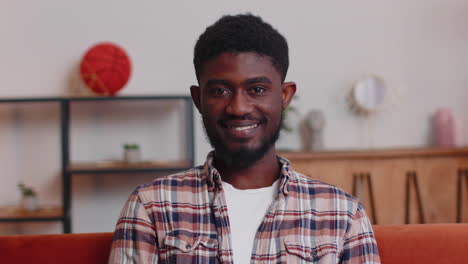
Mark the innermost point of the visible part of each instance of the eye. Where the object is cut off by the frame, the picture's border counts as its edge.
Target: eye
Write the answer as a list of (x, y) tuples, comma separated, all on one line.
[(219, 91), (258, 89)]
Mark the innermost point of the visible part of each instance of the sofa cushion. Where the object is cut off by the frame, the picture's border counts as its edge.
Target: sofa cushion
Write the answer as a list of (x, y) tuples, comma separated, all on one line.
[(430, 243), (46, 249), (398, 244)]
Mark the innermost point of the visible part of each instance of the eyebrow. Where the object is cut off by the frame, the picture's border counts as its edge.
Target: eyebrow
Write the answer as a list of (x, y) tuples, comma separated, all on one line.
[(217, 81), (258, 79), (261, 79)]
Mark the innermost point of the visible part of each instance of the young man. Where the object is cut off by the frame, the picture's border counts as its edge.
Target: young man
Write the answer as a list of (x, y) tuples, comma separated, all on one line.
[(246, 204)]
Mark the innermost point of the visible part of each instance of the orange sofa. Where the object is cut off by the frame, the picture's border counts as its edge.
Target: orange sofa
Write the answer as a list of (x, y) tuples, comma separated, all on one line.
[(432, 243)]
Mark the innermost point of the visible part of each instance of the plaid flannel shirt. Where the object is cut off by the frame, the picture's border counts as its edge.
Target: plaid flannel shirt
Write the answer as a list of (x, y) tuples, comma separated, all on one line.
[(183, 218)]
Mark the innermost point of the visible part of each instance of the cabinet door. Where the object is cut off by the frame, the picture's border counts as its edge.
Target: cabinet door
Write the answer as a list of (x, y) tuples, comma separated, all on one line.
[(463, 164), (437, 177)]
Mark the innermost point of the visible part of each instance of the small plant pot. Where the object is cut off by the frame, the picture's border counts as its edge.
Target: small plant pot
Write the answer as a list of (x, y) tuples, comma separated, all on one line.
[(30, 203), (132, 155)]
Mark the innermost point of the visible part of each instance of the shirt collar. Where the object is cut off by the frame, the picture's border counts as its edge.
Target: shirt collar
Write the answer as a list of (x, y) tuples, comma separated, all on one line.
[(214, 182)]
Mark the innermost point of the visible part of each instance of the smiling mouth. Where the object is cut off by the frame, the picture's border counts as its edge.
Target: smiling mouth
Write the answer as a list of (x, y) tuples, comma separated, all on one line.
[(242, 128)]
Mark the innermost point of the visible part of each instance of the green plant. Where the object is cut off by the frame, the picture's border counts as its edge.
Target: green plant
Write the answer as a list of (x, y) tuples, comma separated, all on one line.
[(285, 126), (26, 191), (131, 146)]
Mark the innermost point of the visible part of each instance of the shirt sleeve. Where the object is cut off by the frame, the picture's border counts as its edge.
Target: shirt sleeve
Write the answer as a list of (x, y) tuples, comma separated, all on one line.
[(134, 239), (359, 244)]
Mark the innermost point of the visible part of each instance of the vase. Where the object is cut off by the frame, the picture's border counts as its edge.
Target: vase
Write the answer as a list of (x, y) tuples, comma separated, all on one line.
[(444, 128)]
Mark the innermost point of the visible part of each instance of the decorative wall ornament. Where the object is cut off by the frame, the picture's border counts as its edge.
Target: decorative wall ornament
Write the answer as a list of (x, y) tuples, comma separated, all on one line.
[(368, 95), (105, 68)]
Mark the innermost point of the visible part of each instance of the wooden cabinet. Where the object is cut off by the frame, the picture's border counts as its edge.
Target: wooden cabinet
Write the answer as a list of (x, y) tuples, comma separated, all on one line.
[(437, 176)]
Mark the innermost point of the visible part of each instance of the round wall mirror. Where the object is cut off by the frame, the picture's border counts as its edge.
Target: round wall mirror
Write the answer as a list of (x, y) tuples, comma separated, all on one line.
[(367, 95)]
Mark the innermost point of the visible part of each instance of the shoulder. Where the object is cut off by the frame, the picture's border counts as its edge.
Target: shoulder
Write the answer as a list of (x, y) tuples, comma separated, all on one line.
[(186, 181), (322, 195), (307, 187), (303, 183)]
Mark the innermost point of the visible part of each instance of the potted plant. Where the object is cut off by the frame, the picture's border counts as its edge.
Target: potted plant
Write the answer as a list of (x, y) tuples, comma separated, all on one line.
[(286, 126), (29, 201), (132, 153)]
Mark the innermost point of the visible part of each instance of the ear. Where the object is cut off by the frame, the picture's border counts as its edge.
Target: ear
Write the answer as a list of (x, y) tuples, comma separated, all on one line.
[(195, 93), (289, 89)]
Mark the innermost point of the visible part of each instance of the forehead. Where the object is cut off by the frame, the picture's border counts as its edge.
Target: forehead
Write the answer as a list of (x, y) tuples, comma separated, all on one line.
[(238, 67)]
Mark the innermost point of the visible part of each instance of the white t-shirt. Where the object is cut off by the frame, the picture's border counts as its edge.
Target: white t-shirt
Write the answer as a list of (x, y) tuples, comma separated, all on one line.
[(246, 209)]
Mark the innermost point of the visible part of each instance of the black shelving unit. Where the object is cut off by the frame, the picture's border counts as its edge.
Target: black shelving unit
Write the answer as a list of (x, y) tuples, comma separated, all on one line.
[(68, 169)]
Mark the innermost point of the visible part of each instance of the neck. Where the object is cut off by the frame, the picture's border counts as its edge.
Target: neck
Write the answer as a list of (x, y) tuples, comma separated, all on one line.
[(262, 173)]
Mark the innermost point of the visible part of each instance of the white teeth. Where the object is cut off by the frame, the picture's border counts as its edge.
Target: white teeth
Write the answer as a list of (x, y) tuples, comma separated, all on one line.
[(245, 127)]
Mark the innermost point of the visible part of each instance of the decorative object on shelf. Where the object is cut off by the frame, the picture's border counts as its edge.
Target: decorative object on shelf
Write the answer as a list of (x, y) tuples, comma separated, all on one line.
[(448, 129), (132, 153), (105, 68), (29, 200), (443, 127), (458, 132), (314, 124), (367, 95)]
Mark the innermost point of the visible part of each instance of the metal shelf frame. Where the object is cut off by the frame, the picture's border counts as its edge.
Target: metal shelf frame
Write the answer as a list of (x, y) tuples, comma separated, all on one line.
[(31, 219), (67, 173)]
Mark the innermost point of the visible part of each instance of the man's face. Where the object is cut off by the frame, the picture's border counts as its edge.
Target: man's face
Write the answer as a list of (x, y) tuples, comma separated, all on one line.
[(241, 98)]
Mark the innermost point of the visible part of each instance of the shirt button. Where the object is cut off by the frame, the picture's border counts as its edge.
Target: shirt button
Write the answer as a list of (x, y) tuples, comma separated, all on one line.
[(188, 246)]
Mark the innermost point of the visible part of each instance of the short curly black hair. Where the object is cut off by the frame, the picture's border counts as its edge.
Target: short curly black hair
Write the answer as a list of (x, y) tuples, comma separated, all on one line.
[(242, 33)]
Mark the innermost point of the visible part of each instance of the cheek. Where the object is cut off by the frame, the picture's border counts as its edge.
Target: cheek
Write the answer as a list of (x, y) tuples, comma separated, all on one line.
[(210, 115), (213, 109), (212, 105), (273, 110)]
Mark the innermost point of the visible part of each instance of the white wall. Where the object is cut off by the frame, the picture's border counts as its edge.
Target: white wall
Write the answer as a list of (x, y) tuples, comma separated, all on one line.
[(420, 47)]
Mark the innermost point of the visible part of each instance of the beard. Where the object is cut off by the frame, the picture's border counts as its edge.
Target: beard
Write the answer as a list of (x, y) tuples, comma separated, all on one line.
[(242, 157)]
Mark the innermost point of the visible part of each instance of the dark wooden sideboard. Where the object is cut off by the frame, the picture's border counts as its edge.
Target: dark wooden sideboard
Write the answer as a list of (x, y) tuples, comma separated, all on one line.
[(441, 181)]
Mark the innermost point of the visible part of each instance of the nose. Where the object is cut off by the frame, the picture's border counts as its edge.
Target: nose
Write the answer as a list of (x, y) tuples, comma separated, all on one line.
[(239, 105)]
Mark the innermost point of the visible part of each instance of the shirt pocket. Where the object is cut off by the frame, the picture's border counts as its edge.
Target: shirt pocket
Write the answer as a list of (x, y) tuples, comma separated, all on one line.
[(190, 249), (324, 251)]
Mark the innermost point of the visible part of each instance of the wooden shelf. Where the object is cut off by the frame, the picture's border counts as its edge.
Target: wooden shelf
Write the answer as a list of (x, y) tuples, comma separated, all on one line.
[(19, 214), (110, 167), (122, 166), (377, 153)]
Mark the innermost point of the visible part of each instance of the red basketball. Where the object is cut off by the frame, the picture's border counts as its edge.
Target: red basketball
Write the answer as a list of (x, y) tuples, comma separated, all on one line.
[(105, 68)]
